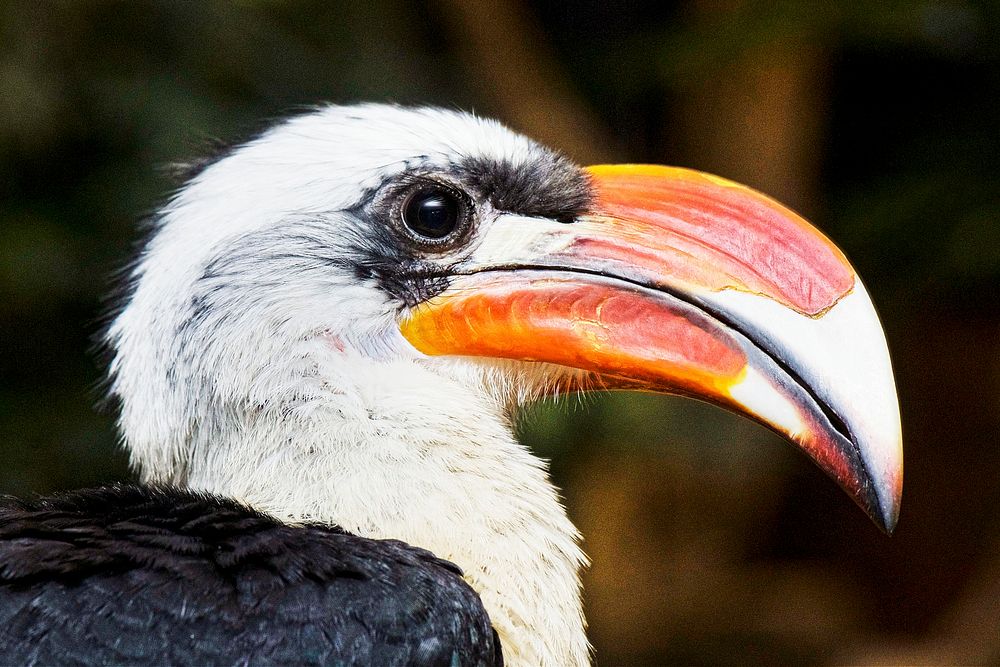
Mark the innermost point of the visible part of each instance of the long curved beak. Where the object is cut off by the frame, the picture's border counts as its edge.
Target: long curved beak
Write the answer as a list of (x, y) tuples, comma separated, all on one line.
[(682, 282)]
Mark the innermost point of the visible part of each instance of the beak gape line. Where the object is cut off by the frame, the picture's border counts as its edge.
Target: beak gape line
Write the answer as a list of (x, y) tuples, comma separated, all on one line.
[(686, 283)]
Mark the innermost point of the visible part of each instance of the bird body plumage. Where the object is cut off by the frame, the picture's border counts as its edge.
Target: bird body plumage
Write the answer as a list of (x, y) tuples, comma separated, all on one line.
[(133, 575)]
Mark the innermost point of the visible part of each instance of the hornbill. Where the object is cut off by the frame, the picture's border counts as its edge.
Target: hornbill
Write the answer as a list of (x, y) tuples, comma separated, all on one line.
[(318, 361)]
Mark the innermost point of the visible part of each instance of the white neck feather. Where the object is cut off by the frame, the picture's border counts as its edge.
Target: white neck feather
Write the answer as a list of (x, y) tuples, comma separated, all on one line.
[(379, 457)]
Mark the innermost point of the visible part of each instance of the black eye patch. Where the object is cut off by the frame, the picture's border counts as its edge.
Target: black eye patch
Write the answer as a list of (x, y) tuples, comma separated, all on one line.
[(547, 185)]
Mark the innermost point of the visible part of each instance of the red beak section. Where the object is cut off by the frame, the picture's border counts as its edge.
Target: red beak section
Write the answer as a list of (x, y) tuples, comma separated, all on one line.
[(686, 283)]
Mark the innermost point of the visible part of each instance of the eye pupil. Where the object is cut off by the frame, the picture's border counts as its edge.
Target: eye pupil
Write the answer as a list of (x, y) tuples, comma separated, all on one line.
[(432, 214)]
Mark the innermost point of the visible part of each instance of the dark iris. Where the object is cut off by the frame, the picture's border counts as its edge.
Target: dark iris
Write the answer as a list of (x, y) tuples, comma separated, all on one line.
[(432, 214)]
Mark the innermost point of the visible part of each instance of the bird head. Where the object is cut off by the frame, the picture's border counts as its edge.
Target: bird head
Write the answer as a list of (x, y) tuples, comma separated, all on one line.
[(372, 272)]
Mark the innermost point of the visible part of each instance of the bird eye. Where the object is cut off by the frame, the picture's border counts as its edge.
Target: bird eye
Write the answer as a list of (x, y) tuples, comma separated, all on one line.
[(433, 213)]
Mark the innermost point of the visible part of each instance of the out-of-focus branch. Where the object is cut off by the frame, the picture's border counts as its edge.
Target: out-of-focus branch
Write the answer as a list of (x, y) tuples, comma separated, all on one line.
[(759, 119), (512, 64), (755, 112)]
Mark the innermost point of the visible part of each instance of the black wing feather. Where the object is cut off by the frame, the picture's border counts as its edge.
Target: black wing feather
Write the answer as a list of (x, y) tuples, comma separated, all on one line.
[(131, 575)]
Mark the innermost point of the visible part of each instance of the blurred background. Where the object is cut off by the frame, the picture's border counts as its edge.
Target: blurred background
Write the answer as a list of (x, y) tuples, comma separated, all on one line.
[(713, 541)]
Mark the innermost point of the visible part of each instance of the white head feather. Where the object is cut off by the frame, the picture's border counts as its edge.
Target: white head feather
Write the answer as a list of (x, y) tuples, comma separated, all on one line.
[(251, 360)]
